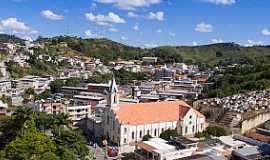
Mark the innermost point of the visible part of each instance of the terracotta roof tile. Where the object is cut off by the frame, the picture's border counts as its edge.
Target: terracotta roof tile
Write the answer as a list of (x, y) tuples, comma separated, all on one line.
[(146, 113)]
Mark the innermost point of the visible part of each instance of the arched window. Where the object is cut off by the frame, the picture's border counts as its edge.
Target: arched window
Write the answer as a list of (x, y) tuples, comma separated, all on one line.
[(132, 135), (155, 132), (140, 134)]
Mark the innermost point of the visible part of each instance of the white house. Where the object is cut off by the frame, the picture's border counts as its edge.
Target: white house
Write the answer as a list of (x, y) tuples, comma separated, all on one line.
[(126, 124), (3, 108)]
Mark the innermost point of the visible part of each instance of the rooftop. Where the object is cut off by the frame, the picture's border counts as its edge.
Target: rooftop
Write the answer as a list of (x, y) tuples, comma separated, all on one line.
[(156, 112)]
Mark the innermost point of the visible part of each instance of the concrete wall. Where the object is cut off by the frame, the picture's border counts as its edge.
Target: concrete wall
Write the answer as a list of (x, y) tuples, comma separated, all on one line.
[(254, 122)]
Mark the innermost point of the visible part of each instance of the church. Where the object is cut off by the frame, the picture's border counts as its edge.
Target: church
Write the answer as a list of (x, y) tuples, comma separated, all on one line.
[(126, 124)]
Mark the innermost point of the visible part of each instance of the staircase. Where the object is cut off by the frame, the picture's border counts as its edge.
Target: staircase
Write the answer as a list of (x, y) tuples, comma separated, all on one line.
[(230, 119)]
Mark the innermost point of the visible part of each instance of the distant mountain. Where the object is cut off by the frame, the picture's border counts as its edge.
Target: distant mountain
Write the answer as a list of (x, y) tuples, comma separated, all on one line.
[(212, 54), (107, 50), (4, 38)]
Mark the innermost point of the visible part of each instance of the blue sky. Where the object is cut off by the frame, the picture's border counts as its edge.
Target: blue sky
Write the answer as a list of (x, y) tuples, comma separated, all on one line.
[(145, 23)]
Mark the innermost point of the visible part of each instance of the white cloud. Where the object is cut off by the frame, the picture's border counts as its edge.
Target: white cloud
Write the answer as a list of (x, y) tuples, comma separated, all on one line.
[(266, 32), (253, 43), (93, 6), (51, 15), (222, 2), (130, 4), (172, 34), (28, 32), (90, 34), (194, 43), (124, 38), (150, 45), (217, 41), (204, 27), (14, 24), (132, 15), (159, 30), (104, 20), (136, 27), (157, 16), (17, 27), (113, 29)]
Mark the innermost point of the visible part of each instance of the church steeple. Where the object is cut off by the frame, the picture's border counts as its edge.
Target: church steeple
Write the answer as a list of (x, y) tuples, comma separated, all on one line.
[(113, 97)]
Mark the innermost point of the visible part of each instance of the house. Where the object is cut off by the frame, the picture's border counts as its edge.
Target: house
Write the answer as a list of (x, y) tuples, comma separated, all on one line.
[(126, 124), (50, 106), (5, 86), (78, 110), (159, 149), (3, 108), (150, 59)]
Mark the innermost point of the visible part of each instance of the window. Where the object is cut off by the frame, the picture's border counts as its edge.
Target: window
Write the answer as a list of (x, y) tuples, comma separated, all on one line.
[(186, 130), (155, 132), (201, 126), (140, 134), (162, 130), (193, 128), (132, 135), (125, 140), (108, 119), (148, 132), (125, 130), (190, 116)]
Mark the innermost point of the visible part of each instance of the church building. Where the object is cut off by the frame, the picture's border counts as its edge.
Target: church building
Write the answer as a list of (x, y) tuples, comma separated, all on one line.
[(126, 124)]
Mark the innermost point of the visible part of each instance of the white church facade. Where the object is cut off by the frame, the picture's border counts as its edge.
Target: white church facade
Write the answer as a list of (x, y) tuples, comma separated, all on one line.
[(126, 124)]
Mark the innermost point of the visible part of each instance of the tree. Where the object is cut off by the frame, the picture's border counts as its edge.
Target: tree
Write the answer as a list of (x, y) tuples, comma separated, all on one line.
[(71, 144), (49, 156), (146, 137), (29, 93), (32, 145), (168, 134), (21, 137), (12, 127), (44, 95), (56, 86), (73, 82), (216, 131)]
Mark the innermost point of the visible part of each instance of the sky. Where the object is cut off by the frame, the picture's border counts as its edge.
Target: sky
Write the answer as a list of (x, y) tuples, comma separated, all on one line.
[(144, 23)]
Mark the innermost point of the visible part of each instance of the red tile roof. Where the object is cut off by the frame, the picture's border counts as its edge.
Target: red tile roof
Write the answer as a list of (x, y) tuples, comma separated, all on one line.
[(147, 113)]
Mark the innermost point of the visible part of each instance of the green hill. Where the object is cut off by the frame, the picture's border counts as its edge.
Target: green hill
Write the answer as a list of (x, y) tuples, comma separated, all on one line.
[(4, 38), (107, 50)]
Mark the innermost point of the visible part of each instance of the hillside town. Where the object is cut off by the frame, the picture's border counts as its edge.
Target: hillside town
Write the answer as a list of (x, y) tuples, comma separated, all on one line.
[(161, 116)]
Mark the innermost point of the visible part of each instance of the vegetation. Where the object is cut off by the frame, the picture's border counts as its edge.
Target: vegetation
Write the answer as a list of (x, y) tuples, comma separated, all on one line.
[(15, 70), (168, 134), (241, 79), (4, 38), (107, 50), (216, 131), (122, 77), (146, 137), (23, 137), (126, 77), (56, 85)]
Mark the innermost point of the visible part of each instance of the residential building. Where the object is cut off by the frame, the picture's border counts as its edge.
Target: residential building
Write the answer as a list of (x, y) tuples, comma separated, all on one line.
[(159, 149), (50, 106), (3, 108), (78, 110), (5, 86), (150, 59)]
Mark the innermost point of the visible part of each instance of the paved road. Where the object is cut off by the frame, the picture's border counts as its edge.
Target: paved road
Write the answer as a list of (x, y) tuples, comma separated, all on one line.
[(98, 152)]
